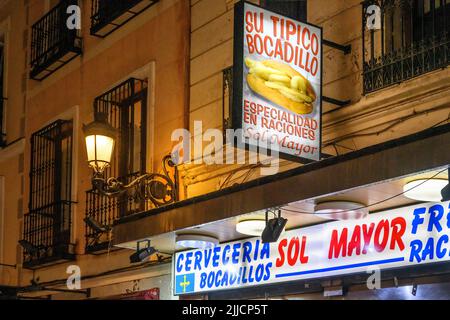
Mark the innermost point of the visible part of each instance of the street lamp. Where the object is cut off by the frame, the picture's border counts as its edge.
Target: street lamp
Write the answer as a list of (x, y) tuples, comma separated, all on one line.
[(100, 139)]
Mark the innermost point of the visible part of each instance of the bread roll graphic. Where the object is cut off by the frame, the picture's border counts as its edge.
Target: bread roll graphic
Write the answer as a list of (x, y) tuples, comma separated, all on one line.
[(281, 84)]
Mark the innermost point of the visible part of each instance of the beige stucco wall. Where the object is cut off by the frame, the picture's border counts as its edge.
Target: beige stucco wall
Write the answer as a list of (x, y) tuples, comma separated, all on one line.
[(154, 44), (12, 27), (401, 109)]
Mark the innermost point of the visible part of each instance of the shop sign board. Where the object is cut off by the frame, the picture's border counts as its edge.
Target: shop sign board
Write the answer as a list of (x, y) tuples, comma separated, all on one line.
[(397, 238), (277, 83)]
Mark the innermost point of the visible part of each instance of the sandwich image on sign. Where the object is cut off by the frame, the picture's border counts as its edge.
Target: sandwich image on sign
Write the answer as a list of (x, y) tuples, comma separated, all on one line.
[(281, 84)]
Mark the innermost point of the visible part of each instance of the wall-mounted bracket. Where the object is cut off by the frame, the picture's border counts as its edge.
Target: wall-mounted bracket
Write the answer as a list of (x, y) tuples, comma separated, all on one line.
[(340, 103), (345, 49)]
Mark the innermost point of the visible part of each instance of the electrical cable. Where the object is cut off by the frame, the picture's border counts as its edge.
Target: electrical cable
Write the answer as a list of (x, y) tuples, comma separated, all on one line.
[(390, 126), (378, 202)]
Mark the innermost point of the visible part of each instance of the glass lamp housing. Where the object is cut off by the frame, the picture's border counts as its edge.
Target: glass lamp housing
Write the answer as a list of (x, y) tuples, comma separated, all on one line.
[(100, 139)]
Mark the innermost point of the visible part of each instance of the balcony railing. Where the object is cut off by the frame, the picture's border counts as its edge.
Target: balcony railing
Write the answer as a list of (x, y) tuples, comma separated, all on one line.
[(106, 211), (411, 38), (46, 236), (47, 228), (109, 15), (53, 44)]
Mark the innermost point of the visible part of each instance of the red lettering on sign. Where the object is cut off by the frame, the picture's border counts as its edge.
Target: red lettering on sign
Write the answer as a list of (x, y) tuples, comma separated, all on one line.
[(398, 226), (381, 235), (280, 261), (338, 247)]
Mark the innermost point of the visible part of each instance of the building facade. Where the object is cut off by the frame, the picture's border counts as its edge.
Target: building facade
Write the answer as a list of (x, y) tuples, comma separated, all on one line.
[(152, 67), (53, 86)]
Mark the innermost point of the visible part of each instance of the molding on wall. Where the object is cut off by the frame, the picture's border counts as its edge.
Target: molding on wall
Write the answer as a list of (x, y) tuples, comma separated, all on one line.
[(13, 150)]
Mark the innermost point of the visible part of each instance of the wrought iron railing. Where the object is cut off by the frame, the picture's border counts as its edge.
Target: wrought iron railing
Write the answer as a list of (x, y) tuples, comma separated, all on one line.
[(53, 44), (46, 235), (106, 210), (403, 39), (47, 228), (109, 15), (126, 109)]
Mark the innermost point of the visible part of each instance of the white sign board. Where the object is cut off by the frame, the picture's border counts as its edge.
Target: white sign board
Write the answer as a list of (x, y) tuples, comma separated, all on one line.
[(277, 82), (396, 238)]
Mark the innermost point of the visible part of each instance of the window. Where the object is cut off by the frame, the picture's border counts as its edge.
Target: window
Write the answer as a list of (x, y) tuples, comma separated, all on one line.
[(293, 8), (413, 39), (126, 107), (52, 44), (109, 15), (47, 228)]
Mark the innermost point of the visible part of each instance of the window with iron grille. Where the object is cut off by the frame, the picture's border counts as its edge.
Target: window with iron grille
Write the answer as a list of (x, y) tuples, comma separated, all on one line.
[(2, 98), (126, 107), (296, 9), (47, 227), (53, 44), (109, 15), (410, 39)]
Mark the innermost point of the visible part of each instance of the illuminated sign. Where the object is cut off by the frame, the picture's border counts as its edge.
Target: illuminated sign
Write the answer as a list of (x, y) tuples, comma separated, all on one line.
[(396, 238), (277, 84)]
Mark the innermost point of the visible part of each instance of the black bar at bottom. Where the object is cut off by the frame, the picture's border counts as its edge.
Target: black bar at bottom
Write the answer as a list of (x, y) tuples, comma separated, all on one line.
[(345, 49), (340, 103)]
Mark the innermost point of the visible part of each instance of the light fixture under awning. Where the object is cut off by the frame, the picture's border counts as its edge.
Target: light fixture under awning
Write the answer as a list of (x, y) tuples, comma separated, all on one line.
[(425, 190), (341, 210), (196, 241)]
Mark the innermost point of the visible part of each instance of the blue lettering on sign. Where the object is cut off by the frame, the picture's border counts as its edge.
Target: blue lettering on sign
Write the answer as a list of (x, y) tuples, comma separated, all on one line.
[(247, 251), (429, 249), (225, 258), (417, 219), (179, 261), (441, 252), (216, 257), (448, 217), (265, 252), (416, 247), (198, 259), (432, 247), (436, 214), (208, 254), (188, 261), (235, 256)]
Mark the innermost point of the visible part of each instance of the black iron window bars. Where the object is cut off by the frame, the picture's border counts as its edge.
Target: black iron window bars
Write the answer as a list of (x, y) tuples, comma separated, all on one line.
[(47, 226), (411, 39), (126, 110), (125, 107), (53, 44), (109, 15)]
